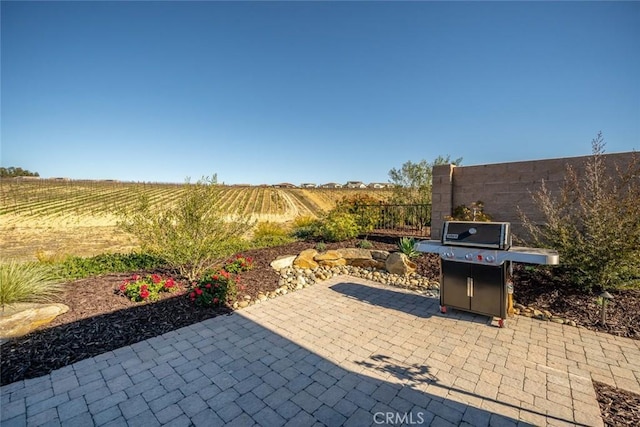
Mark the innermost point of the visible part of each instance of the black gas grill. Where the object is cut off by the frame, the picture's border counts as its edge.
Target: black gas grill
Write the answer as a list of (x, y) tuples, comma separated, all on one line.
[(476, 260)]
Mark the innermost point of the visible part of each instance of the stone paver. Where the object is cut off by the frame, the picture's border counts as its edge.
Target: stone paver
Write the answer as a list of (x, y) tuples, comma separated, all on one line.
[(344, 352)]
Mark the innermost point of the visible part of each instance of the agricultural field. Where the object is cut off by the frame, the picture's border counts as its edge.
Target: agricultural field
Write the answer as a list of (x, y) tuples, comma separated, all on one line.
[(52, 218)]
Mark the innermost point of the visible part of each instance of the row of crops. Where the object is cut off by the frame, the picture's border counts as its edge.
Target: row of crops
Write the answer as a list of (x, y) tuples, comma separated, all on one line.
[(38, 198)]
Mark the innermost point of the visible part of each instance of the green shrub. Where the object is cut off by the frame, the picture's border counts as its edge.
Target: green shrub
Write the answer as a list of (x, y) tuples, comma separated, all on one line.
[(365, 210), (321, 246), (268, 234), (364, 244), (305, 227), (27, 282), (338, 226), (74, 267), (473, 213), (406, 245), (191, 234), (594, 223)]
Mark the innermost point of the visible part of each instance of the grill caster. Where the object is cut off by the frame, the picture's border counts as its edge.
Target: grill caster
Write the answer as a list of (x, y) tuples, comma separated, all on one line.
[(443, 309), (501, 323)]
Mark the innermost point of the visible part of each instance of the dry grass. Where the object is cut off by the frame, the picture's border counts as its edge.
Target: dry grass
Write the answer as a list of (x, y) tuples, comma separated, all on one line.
[(31, 239)]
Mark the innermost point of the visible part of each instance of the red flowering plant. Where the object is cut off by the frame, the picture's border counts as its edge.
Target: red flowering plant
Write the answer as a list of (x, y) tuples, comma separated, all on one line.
[(238, 264), (214, 289), (147, 288)]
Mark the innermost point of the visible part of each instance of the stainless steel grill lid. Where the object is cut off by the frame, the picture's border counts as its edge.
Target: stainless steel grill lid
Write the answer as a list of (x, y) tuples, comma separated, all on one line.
[(494, 235)]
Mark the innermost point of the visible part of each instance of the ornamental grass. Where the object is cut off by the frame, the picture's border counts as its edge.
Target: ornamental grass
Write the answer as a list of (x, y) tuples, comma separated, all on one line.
[(27, 282)]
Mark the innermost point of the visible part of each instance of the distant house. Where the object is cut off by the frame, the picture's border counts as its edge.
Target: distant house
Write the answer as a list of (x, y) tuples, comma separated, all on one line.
[(331, 185), (379, 185), (308, 185), (284, 185), (355, 184), (26, 178)]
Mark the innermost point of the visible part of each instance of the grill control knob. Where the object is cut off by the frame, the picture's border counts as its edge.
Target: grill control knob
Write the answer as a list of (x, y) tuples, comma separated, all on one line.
[(469, 256), (490, 258)]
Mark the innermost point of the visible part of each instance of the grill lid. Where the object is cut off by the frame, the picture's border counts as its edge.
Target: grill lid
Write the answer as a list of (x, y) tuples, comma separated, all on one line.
[(494, 235)]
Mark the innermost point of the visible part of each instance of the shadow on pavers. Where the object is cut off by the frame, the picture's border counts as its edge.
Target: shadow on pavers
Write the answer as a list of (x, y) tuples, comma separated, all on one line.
[(414, 304)]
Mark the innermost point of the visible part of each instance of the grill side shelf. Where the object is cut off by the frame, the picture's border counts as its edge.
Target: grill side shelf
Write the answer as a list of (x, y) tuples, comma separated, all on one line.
[(428, 246), (531, 255)]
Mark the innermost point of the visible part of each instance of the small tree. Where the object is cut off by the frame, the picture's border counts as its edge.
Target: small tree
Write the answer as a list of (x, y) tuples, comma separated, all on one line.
[(190, 234), (412, 182), (594, 223)]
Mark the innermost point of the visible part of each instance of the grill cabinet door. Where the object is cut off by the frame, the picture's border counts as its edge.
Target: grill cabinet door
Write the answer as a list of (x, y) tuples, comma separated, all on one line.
[(488, 291), (454, 291), (476, 288)]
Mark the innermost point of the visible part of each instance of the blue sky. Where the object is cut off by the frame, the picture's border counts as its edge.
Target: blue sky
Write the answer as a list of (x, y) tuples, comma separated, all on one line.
[(268, 92)]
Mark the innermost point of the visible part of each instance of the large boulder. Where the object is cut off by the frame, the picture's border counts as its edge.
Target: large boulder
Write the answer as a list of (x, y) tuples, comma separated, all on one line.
[(20, 319), (330, 259), (305, 259), (284, 261), (399, 263)]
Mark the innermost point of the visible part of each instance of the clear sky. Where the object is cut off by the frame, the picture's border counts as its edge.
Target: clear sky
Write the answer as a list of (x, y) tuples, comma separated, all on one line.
[(269, 92)]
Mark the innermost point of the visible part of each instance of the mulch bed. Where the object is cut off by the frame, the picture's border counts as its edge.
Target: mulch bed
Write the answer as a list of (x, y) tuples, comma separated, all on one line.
[(623, 311), (618, 407), (101, 320)]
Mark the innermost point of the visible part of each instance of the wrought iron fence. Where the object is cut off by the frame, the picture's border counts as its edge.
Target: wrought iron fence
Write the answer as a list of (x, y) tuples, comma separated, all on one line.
[(406, 220)]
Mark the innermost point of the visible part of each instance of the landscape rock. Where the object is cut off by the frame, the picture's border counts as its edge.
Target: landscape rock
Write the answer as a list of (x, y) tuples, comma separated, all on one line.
[(330, 259), (283, 262), (20, 319), (367, 263), (379, 255), (354, 254), (398, 263), (327, 256), (305, 259)]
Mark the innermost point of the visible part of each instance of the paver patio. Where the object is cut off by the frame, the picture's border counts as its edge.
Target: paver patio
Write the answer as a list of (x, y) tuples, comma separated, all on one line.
[(344, 352)]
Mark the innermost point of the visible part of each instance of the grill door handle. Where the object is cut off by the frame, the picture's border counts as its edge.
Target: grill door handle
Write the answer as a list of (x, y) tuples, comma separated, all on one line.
[(470, 287)]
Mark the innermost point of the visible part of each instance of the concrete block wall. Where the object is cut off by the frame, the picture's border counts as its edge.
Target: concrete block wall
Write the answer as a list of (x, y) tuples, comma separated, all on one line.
[(504, 187)]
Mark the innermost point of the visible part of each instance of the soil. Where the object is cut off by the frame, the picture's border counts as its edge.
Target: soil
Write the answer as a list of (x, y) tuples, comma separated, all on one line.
[(101, 320)]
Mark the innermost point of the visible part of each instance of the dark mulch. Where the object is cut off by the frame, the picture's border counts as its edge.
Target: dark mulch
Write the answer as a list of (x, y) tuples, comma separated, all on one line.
[(538, 289), (618, 407), (100, 320)]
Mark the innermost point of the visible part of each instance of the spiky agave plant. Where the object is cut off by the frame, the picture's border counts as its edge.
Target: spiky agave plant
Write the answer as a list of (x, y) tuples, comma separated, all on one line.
[(27, 282), (406, 245)]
